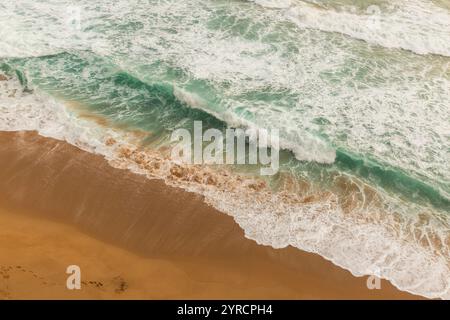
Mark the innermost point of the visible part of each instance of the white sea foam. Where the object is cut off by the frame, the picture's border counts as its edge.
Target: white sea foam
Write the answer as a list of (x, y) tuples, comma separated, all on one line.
[(415, 25), (370, 96), (365, 240), (304, 146), (278, 4), (21, 110), (367, 97)]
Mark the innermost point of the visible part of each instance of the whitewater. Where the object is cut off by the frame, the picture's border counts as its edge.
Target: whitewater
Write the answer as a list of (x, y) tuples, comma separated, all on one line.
[(359, 90)]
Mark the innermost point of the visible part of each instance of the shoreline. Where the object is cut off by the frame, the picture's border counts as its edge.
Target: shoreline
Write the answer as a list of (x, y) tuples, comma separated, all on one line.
[(194, 250)]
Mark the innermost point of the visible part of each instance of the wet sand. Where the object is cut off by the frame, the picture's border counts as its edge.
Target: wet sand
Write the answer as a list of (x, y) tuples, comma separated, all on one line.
[(137, 238)]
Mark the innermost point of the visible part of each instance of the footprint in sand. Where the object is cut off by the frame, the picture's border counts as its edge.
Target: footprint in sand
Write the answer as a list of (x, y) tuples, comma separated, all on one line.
[(120, 284), (98, 284), (6, 273)]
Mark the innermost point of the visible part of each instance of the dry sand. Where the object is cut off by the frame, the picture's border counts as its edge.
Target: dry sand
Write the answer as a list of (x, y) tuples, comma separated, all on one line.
[(137, 238)]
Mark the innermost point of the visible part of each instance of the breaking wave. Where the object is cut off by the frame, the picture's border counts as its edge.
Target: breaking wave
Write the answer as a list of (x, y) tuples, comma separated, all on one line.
[(362, 230)]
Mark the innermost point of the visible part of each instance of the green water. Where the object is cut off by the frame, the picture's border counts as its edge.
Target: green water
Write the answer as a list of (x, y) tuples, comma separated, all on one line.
[(352, 99)]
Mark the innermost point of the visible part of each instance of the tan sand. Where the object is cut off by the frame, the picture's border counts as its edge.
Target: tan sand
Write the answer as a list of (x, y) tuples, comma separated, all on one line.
[(137, 238)]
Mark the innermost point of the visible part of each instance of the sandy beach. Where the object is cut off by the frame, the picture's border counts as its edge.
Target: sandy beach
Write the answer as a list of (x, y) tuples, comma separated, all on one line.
[(136, 238)]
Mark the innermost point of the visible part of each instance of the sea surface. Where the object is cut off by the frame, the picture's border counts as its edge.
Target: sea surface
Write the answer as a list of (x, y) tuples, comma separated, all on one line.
[(359, 91)]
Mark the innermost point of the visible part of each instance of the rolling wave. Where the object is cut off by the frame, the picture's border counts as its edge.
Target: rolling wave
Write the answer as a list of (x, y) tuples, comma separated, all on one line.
[(170, 106)]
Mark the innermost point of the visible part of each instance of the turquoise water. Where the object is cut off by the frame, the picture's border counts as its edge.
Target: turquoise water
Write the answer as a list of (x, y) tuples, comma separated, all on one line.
[(360, 91)]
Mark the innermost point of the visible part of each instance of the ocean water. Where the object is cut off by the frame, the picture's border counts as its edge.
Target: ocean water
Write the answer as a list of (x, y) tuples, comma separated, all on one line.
[(360, 91)]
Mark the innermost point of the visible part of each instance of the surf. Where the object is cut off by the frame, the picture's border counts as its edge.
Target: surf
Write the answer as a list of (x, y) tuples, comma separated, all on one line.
[(357, 183), (417, 26)]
